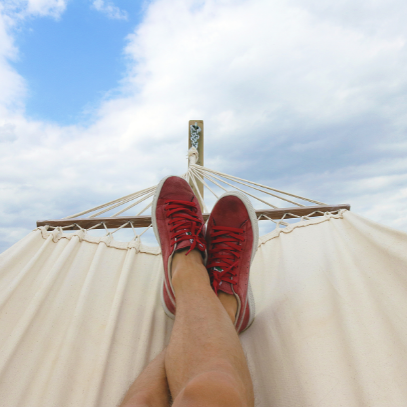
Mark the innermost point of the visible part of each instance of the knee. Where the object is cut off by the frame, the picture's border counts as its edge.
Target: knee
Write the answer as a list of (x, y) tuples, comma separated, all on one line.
[(212, 389)]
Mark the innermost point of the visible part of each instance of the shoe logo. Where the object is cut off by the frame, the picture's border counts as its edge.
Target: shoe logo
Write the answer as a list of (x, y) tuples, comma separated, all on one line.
[(218, 269)]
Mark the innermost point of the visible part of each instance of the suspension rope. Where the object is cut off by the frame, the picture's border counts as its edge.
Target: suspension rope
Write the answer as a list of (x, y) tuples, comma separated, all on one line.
[(212, 180), (203, 181), (123, 198), (135, 203), (145, 208), (151, 189), (265, 192), (199, 192), (259, 185), (245, 192)]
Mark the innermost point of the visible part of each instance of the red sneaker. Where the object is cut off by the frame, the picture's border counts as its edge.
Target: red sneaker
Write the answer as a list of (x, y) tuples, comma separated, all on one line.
[(232, 237), (178, 224)]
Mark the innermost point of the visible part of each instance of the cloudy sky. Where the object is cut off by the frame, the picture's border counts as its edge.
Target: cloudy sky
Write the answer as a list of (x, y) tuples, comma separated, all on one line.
[(308, 96)]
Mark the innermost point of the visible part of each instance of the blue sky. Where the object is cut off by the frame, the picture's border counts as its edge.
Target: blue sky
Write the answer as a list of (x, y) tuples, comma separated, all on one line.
[(71, 62), (302, 95)]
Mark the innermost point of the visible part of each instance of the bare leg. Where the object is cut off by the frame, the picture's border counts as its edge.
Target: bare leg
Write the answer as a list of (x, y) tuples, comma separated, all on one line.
[(150, 389), (229, 302), (205, 363)]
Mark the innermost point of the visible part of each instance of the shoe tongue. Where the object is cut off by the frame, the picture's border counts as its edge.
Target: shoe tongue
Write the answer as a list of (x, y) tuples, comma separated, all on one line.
[(183, 244), (223, 285)]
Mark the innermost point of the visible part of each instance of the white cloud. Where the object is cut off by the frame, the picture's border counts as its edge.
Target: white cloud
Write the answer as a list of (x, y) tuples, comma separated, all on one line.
[(306, 98), (12, 85), (23, 8), (110, 9), (46, 7)]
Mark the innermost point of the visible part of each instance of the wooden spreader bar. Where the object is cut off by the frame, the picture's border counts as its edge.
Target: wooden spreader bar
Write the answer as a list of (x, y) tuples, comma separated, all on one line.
[(145, 221)]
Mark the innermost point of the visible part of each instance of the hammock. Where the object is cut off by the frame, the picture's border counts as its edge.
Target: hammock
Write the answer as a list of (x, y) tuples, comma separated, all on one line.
[(80, 316)]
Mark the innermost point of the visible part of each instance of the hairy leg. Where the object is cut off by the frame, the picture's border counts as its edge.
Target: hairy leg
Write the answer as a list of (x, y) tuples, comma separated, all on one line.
[(150, 389), (205, 362)]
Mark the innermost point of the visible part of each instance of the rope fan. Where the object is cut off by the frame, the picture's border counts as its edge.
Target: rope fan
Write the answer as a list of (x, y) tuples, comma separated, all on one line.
[(200, 178)]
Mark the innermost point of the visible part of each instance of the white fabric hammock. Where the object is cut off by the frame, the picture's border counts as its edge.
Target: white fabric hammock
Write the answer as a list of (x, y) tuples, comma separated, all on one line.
[(80, 317)]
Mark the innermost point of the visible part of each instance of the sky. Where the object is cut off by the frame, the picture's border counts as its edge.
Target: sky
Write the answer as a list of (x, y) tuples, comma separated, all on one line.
[(302, 95)]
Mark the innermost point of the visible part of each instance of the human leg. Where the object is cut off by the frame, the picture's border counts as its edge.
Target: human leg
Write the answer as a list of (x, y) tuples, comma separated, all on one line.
[(151, 386), (150, 389), (205, 362), (229, 302)]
